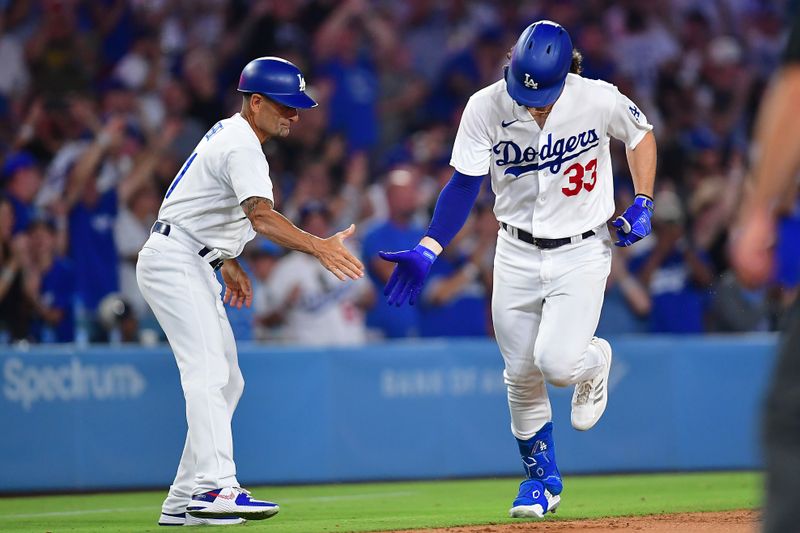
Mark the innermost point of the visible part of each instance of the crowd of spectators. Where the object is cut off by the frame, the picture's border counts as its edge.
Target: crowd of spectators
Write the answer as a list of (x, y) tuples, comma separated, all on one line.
[(101, 101)]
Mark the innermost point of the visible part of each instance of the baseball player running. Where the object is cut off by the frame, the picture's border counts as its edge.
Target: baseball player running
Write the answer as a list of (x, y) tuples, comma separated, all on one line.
[(542, 133), (218, 202)]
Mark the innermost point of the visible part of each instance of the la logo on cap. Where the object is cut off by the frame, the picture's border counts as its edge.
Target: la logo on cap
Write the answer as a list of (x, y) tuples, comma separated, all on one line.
[(302, 82), (529, 83)]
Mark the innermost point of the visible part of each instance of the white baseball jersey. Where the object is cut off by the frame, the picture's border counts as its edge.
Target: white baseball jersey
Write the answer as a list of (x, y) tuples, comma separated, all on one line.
[(226, 168), (325, 310), (555, 181)]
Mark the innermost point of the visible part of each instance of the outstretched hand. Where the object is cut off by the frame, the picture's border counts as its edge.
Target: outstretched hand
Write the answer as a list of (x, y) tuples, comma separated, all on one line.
[(409, 274), (335, 256)]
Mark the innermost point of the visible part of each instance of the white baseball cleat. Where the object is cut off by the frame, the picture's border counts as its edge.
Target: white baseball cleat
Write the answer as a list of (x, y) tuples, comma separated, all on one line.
[(230, 502), (183, 519), (591, 396)]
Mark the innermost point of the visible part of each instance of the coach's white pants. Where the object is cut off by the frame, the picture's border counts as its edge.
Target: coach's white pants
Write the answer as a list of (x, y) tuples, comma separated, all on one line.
[(184, 295), (545, 309)]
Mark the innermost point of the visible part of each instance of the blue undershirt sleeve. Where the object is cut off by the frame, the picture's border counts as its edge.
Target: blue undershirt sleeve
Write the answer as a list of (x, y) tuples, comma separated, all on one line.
[(453, 207)]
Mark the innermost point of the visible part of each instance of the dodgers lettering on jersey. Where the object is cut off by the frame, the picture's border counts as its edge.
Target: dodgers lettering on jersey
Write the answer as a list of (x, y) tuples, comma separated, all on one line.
[(554, 181), (553, 154), (226, 168)]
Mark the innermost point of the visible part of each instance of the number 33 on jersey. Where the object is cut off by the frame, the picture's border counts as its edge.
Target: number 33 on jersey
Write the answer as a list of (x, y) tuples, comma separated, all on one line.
[(554, 181)]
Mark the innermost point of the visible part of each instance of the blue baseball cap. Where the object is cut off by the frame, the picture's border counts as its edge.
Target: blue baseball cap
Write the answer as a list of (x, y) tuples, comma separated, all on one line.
[(17, 161), (311, 208), (266, 247)]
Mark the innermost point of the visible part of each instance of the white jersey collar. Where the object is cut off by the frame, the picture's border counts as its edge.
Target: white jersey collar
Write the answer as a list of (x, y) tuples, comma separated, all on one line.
[(520, 112), (240, 119)]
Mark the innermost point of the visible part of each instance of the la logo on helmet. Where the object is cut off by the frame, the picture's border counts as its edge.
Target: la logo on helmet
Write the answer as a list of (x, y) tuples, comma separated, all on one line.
[(303, 82), (529, 83)]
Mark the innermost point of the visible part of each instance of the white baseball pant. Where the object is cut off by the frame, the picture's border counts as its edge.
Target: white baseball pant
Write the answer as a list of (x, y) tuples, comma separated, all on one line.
[(545, 308), (184, 294)]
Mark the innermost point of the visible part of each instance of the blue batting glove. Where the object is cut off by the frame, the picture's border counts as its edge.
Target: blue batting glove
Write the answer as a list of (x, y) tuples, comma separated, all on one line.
[(409, 274), (634, 224)]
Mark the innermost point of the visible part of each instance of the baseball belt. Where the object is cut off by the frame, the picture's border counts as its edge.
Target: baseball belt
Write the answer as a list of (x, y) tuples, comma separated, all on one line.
[(211, 256), (539, 242)]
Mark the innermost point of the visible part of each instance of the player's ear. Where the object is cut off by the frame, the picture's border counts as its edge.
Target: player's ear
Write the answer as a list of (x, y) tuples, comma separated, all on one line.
[(254, 102)]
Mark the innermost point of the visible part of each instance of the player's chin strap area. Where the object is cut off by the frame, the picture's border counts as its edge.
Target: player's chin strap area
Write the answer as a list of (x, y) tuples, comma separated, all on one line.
[(212, 256), (544, 243)]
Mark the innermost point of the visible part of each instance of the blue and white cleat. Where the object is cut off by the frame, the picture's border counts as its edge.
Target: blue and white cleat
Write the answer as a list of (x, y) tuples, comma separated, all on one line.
[(533, 501), (183, 519), (230, 502)]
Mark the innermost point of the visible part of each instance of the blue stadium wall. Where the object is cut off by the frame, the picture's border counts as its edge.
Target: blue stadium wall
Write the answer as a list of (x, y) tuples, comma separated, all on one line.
[(114, 417)]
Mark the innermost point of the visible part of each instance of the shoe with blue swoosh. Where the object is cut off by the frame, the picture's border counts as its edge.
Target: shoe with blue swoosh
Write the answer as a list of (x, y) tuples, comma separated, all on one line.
[(230, 501), (533, 501), (183, 519)]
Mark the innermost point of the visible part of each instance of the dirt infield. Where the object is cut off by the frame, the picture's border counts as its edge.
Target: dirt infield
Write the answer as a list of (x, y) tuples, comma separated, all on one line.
[(721, 522)]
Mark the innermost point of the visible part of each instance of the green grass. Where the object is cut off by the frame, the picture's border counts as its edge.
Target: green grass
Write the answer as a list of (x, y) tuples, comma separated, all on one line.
[(386, 506)]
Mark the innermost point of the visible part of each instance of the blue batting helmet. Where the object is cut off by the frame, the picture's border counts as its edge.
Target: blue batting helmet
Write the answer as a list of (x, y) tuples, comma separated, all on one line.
[(277, 79), (539, 65)]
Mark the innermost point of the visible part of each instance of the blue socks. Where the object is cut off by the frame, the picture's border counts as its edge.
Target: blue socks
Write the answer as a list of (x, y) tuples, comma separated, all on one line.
[(539, 459)]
